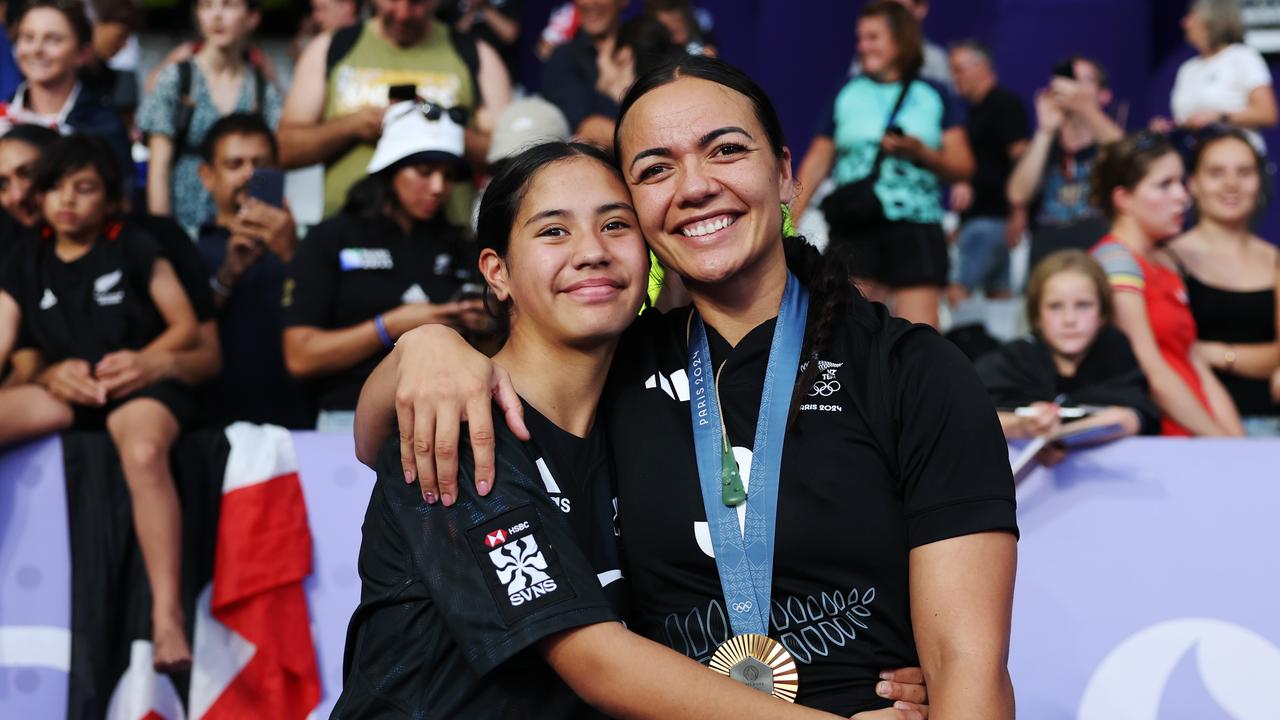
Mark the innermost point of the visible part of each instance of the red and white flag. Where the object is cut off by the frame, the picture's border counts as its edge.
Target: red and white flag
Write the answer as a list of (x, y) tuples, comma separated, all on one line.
[(253, 655)]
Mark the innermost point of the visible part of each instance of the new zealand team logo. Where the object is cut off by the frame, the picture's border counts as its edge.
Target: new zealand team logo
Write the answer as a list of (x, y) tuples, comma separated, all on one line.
[(826, 385)]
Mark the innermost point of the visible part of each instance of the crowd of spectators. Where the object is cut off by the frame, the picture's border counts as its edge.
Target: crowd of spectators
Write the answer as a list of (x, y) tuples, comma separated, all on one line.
[(407, 106)]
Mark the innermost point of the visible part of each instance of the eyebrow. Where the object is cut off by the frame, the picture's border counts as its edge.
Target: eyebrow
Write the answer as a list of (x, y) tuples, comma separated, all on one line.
[(703, 141), (603, 209)]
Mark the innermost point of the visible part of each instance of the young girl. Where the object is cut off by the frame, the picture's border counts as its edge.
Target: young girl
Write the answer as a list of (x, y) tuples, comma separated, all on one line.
[(1137, 182), (1073, 357), (1233, 276), (54, 40), (459, 596), (190, 96), (92, 293)]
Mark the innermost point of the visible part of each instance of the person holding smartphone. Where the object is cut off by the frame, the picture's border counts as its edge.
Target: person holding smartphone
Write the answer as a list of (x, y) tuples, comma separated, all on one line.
[(388, 262), (245, 249)]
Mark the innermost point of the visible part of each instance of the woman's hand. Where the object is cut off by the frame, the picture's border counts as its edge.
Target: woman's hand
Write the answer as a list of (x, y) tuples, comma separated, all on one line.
[(442, 382), (903, 146)]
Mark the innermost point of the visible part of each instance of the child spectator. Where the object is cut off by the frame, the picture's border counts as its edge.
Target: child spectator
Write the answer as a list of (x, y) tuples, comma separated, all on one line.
[(189, 96), (1233, 276), (387, 263), (54, 40), (1137, 183), (92, 293), (1073, 357)]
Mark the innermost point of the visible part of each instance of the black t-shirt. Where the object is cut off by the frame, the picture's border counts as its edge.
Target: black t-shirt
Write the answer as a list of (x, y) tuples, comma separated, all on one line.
[(895, 445), (451, 11), (994, 124), (1022, 372), (254, 385), (176, 247), (569, 80), (94, 305), (348, 270), (454, 600)]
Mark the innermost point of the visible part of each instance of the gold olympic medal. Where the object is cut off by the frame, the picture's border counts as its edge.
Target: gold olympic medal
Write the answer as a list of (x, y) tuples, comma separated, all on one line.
[(759, 662)]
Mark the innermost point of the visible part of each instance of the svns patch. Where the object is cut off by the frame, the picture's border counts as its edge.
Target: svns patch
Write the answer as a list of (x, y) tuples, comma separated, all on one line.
[(519, 564)]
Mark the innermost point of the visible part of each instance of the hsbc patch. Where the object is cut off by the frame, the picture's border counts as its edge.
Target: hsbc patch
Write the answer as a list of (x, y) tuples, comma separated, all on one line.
[(519, 564)]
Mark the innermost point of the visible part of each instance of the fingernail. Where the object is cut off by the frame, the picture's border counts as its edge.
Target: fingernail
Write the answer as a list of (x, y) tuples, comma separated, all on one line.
[(430, 497), (886, 675), (483, 487), (447, 499), (900, 705), (882, 689), (408, 478)]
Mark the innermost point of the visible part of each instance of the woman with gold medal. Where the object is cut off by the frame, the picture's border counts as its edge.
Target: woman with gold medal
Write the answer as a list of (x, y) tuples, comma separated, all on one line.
[(796, 534)]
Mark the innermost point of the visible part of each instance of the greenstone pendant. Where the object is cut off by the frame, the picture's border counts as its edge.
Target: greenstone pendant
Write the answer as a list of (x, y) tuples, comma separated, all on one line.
[(731, 490)]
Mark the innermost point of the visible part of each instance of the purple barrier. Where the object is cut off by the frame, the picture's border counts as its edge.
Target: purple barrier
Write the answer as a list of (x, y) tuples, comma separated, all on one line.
[(1147, 579)]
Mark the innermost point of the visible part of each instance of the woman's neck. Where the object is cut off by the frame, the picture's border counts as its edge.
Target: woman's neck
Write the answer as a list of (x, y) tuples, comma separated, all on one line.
[(1129, 233), (227, 60), (564, 383), (887, 75), (49, 98), (736, 306), (1217, 233)]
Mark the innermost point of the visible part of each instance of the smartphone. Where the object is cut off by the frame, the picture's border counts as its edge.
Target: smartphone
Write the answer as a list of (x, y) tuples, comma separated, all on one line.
[(894, 130), (400, 93), (1066, 69), (267, 185)]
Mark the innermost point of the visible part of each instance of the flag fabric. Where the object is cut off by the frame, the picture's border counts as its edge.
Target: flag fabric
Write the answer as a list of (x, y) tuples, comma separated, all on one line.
[(244, 602), (253, 651)]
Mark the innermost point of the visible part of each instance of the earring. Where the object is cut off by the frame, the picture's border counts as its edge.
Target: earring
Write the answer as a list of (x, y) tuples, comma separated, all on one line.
[(113, 230)]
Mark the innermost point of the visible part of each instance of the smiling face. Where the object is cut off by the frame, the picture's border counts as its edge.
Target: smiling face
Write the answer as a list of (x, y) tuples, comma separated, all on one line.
[(1226, 183), (576, 267), (405, 22), (17, 159), (1158, 203), (47, 49), (876, 47), (1070, 313), (705, 181), (77, 206), (225, 23)]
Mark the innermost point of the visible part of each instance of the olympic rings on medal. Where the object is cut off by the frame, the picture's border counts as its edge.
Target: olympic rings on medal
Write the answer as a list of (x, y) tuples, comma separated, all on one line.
[(825, 388), (741, 607)]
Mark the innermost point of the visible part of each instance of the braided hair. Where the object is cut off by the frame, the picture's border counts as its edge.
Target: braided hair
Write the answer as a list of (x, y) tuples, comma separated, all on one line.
[(830, 290)]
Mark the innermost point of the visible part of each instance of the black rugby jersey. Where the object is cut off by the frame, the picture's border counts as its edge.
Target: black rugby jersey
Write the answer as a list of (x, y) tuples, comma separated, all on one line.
[(96, 304), (453, 600), (895, 445), (349, 270)]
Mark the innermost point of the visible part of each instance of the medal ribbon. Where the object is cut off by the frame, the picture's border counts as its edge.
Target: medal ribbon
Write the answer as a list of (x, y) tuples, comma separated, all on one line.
[(744, 556)]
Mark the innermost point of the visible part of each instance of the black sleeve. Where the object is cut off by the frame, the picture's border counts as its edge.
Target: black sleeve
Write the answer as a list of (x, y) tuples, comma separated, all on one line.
[(568, 90), (827, 119), (178, 249), (953, 460), (312, 279), (505, 570), (1014, 121)]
